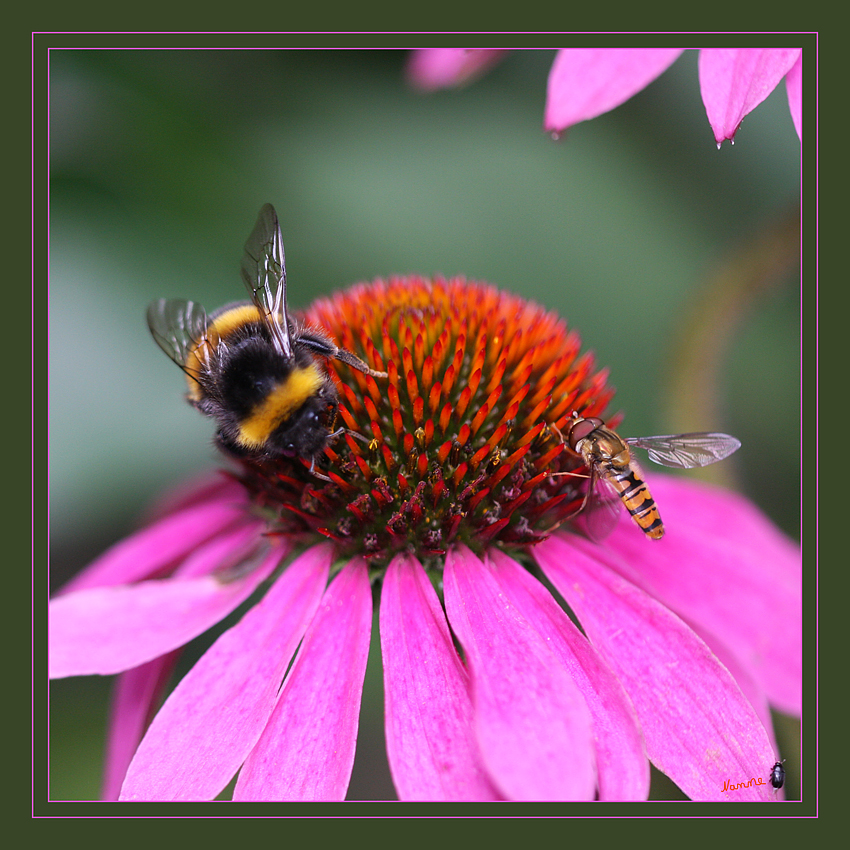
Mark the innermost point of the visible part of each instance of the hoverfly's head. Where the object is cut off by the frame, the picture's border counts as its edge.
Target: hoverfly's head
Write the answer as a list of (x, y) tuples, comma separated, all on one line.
[(581, 428)]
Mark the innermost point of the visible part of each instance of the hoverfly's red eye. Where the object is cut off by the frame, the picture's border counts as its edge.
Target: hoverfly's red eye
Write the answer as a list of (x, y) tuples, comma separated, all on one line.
[(581, 429)]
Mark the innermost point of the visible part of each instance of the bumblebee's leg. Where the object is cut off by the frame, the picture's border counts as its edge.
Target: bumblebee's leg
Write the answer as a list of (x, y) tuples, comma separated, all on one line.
[(356, 434), (316, 473), (318, 342)]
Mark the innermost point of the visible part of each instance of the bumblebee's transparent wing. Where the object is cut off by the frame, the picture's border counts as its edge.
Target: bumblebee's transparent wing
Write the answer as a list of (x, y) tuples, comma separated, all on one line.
[(264, 274), (602, 508), (685, 451), (178, 326)]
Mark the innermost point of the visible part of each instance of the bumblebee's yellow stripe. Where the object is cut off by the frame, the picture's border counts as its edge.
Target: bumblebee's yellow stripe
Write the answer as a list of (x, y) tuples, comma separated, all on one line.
[(279, 405), (219, 328), (234, 318)]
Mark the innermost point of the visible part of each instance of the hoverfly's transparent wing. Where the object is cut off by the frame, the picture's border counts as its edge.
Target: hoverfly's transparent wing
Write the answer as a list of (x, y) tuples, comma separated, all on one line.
[(602, 509), (178, 327), (685, 451), (264, 274)]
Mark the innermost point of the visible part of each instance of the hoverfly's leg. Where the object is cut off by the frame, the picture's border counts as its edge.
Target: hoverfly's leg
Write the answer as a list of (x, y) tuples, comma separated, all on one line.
[(587, 493), (571, 474), (583, 504), (580, 508)]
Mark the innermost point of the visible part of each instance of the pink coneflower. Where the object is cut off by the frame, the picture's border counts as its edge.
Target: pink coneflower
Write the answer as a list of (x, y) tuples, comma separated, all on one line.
[(521, 660), (586, 82)]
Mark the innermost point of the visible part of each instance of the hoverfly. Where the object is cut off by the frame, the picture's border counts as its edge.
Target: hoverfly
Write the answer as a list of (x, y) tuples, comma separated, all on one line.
[(615, 476)]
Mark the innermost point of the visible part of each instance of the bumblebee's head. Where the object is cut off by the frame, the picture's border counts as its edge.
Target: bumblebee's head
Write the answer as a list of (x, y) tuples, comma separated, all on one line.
[(276, 406), (305, 433)]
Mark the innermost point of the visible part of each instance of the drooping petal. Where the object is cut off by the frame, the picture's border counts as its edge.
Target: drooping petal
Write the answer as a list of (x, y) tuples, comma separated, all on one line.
[(215, 715), (742, 583), (133, 698), (138, 691), (620, 755), (734, 81), (794, 87), (106, 630), (585, 82), (227, 551), (699, 727), (150, 550), (433, 754), (306, 751), (746, 683), (532, 723), (208, 487), (444, 67)]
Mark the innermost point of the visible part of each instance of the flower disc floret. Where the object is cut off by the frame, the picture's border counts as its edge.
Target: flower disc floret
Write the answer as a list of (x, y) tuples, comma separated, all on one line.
[(465, 429)]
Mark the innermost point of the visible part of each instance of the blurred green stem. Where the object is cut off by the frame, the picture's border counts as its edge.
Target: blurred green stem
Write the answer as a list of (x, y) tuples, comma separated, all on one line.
[(751, 271)]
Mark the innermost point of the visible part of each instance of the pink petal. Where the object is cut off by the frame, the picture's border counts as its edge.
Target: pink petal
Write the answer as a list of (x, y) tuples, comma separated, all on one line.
[(735, 81), (444, 67), (231, 550), (743, 581), (135, 694), (699, 728), (620, 755), (105, 630), (208, 487), (139, 689), (431, 745), (532, 723), (216, 714), (754, 694), (306, 751), (794, 87), (585, 82), (159, 546)]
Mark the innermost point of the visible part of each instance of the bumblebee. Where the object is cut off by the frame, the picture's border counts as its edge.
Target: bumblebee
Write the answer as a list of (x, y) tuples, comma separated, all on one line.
[(250, 366)]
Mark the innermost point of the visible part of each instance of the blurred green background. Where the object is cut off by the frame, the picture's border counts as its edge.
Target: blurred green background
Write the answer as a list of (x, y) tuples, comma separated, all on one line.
[(160, 161)]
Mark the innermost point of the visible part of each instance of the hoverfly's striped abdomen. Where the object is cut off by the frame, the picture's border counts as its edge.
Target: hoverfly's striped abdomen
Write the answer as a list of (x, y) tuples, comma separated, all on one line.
[(636, 497)]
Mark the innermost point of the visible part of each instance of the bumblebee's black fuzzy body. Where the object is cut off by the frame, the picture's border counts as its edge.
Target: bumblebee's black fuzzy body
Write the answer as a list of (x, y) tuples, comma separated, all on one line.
[(250, 367), (266, 405)]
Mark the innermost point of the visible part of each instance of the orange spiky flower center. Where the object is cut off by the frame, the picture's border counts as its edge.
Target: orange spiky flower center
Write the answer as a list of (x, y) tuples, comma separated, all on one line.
[(459, 443)]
